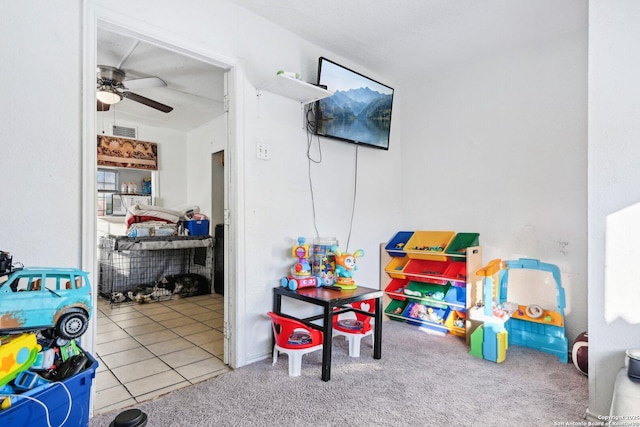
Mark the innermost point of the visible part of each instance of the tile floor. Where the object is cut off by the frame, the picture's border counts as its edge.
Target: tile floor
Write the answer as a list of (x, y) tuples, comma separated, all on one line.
[(147, 350)]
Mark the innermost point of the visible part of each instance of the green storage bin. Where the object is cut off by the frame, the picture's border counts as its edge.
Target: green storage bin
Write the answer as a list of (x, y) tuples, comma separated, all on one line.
[(430, 294), (462, 241), (395, 308)]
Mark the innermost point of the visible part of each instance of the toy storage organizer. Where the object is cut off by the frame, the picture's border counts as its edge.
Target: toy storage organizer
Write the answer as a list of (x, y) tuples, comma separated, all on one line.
[(127, 262), (427, 278)]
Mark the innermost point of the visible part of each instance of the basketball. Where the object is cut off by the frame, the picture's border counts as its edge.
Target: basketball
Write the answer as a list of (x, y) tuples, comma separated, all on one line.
[(580, 353)]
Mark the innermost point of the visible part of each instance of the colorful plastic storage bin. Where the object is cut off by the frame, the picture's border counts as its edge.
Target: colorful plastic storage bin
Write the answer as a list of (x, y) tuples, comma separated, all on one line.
[(395, 267), (425, 270), (395, 309), (432, 294), (460, 243), (24, 412), (395, 289), (456, 323), (396, 245), (457, 297), (197, 227), (456, 271), (429, 245), (426, 320)]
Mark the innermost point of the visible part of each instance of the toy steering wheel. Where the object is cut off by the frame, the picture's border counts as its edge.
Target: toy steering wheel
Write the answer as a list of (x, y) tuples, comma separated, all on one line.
[(534, 311)]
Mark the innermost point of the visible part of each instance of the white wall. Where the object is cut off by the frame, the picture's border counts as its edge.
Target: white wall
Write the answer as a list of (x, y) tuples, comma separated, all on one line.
[(201, 143), (172, 160), (40, 132), (498, 146), (614, 192), (489, 133), (44, 159), (276, 192)]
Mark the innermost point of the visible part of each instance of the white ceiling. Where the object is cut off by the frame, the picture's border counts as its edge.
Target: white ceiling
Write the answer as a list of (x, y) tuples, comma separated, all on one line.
[(400, 40), (194, 89)]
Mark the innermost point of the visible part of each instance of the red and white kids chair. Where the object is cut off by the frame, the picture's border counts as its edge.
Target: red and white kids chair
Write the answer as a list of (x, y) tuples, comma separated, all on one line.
[(295, 339), (355, 326)]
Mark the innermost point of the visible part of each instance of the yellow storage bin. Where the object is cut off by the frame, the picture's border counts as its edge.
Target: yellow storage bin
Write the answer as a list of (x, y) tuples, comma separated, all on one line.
[(456, 323), (395, 267), (429, 245)]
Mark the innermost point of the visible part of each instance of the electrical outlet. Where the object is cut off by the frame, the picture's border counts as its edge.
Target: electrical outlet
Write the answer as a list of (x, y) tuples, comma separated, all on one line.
[(263, 152)]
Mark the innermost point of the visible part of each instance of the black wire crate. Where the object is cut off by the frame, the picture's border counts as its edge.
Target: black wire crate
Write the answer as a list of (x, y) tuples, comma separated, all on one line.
[(154, 268)]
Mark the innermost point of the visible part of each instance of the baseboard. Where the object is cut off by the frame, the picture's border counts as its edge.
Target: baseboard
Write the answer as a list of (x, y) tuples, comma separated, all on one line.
[(595, 419)]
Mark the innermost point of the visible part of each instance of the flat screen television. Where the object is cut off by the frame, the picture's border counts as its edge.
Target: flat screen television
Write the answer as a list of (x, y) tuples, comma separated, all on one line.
[(359, 111)]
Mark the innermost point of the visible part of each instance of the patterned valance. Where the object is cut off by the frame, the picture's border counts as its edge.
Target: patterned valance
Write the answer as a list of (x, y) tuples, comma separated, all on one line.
[(127, 153)]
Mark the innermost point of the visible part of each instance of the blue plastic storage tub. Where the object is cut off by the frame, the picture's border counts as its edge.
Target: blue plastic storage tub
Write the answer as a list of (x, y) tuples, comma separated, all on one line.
[(27, 413), (395, 247), (197, 227)]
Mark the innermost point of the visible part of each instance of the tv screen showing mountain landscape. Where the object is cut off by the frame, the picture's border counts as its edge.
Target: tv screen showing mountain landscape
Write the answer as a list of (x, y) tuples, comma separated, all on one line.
[(358, 111)]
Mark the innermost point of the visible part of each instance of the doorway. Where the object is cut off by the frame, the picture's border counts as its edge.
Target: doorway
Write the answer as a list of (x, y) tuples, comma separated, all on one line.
[(91, 340)]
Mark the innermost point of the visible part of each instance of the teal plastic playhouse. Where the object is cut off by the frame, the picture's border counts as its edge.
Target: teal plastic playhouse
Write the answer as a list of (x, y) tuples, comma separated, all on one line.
[(506, 323)]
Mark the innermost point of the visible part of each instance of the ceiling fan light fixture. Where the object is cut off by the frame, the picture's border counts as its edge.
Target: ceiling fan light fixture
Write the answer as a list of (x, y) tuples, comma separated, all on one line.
[(108, 95)]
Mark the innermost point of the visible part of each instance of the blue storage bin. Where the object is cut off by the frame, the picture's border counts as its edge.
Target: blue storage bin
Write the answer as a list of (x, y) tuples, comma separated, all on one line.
[(395, 247), (441, 313), (457, 297), (25, 412), (197, 227)]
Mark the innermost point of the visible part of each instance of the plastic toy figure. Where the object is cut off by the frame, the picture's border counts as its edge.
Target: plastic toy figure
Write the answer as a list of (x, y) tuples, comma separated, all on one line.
[(345, 267), (300, 276)]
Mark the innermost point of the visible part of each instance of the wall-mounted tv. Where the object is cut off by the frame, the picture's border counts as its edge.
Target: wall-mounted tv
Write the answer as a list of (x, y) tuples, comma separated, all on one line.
[(359, 111)]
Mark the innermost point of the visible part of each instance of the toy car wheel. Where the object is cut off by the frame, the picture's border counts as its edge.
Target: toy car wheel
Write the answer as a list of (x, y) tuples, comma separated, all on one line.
[(284, 282), (293, 285), (72, 325)]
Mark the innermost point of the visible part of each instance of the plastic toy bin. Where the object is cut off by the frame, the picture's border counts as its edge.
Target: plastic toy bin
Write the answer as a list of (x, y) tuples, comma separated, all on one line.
[(395, 267), (457, 296), (461, 242), (429, 245), (395, 289), (434, 294), (425, 271), (396, 245), (395, 309), (441, 313), (456, 271), (456, 316), (25, 412), (197, 227)]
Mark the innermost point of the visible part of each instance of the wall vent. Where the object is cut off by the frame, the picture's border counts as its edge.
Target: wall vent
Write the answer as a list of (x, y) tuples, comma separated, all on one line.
[(125, 132)]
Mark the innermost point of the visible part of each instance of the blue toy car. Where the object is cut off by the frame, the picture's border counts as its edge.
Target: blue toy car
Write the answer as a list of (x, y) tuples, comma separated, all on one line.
[(39, 298)]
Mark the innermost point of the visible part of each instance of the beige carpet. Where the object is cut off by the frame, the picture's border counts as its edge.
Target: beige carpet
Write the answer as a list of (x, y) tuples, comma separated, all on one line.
[(421, 380)]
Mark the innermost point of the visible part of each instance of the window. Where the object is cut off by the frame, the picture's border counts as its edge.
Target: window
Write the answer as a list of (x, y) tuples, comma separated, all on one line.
[(107, 185)]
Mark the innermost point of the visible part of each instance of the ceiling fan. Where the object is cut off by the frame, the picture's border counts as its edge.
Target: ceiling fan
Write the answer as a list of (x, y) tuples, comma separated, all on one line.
[(111, 89)]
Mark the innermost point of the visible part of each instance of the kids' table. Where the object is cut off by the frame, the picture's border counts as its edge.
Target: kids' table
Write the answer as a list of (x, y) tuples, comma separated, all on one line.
[(330, 300)]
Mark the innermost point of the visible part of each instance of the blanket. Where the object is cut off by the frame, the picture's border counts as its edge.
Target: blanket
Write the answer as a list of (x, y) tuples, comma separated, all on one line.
[(142, 213)]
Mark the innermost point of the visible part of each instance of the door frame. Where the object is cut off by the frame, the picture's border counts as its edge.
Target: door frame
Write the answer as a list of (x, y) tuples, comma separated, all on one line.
[(95, 17)]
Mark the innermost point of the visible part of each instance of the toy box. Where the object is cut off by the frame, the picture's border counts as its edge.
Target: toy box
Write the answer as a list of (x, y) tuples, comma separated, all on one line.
[(25, 412), (197, 227)]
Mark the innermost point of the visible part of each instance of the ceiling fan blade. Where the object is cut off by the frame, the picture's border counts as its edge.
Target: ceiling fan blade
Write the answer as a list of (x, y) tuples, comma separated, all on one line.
[(101, 106), (148, 102), (144, 83)]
